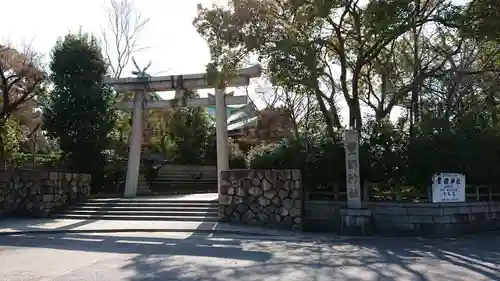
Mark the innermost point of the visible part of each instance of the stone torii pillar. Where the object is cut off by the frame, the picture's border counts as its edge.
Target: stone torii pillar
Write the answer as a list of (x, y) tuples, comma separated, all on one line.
[(221, 134), (134, 153), (143, 85)]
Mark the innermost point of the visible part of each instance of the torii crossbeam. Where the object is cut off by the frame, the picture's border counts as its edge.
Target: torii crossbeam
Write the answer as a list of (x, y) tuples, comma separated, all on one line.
[(144, 84)]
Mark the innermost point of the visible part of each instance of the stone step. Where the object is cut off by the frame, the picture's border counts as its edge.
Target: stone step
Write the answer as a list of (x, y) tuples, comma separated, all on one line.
[(187, 186), (185, 182), (147, 204), (159, 190), (174, 167), (169, 170), (178, 189), (178, 178), (209, 199), (166, 208), (203, 184), (134, 212), (144, 208), (166, 172), (185, 178), (135, 217), (144, 190)]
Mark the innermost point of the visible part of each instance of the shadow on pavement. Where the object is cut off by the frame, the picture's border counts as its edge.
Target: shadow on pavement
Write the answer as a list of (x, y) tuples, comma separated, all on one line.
[(135, 245), (30, 224), (192, 258), (54, 226)]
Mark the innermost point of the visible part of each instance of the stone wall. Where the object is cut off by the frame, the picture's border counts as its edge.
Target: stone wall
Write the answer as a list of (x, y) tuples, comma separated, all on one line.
[(410, 219), (261, 197), (444, 219), (322, 215), (37, 193)]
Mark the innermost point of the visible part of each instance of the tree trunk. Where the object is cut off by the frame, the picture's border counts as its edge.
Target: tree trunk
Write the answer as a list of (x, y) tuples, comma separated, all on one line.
[(355, 114), (3, 160), (326, 115), (353, 102)]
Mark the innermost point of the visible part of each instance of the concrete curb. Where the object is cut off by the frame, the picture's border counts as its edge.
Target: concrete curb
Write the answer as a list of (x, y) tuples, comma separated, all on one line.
[(239, 234), (193, 230), (276, 236), (236, 234), (271, 236)]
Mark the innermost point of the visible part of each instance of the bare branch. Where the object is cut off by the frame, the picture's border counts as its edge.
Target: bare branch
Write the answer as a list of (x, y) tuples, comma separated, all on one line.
[(121, 36)]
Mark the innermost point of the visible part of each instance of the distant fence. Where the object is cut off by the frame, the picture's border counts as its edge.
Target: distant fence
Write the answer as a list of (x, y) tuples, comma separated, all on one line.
[(473, 193)]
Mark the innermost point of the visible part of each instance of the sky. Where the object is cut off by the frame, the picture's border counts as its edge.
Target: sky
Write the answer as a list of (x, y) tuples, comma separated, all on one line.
[(173, 45)]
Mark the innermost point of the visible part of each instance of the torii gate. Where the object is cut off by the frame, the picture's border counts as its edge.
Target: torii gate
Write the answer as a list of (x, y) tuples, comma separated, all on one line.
[(141, 85)]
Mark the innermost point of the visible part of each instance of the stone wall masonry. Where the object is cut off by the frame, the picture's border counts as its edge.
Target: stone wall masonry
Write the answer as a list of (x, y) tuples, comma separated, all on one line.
[(322, 215), (270, 198), (410, 219), (445, 219), (37, 193)]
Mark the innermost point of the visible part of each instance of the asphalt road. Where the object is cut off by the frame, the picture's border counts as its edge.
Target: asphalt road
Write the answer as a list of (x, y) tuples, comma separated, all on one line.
[(188, 257)]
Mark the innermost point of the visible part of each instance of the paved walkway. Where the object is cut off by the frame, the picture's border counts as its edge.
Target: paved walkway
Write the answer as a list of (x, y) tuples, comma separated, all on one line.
[(13, 226), (16, 226), (196, 257), (194, 251)]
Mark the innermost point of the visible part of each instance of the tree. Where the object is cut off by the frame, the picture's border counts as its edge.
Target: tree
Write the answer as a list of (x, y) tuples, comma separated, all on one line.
[(249, 27), (297, 106), (125, 24), (183, 135), (159, 122), (301, 42), (480, 20), (21, 78), (189, 130), (437, 62), (121, 42), (79, 112)]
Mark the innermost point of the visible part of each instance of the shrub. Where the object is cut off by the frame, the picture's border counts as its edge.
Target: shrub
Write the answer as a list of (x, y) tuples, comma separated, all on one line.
[(237, 159), (262, 157), (320, 160), (43, 160)]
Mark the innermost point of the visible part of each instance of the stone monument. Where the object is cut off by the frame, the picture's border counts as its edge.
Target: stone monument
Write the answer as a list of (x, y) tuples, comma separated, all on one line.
[(355, 220)]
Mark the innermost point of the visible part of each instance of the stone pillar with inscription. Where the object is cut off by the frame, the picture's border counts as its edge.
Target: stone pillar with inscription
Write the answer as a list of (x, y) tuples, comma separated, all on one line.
[(355, 220), (353, 180)]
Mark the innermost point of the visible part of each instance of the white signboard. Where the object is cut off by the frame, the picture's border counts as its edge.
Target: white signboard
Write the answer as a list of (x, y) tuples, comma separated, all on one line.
[(448, 187)]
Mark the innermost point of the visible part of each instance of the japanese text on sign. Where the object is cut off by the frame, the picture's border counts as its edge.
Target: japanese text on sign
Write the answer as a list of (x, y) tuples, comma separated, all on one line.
[(448, 187)]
